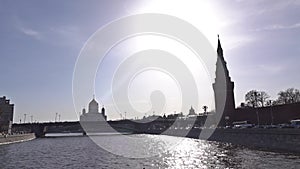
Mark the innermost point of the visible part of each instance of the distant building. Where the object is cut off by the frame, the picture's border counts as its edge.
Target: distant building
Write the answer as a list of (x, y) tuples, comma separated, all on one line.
[(93, 113), (192, 111), (6, 115)]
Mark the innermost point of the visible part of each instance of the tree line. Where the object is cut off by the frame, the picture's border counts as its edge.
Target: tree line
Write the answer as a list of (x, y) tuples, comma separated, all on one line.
[(256, 98)]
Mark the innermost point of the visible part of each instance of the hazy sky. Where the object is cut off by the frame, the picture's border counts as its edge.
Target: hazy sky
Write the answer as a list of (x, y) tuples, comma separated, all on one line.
[(40, 42)]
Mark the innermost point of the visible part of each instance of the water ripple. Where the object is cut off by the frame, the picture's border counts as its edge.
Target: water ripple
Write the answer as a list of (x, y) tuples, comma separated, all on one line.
[(81, 152)]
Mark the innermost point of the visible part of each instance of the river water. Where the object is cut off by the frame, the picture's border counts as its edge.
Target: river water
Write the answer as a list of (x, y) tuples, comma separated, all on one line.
[(83, 152)]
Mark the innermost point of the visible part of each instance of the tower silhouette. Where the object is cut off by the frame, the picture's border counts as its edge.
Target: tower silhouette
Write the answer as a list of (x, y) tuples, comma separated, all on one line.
[(223, 89)]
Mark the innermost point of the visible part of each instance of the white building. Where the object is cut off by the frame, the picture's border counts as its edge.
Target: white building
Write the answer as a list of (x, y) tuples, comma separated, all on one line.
[(192, 111), (93, 114)]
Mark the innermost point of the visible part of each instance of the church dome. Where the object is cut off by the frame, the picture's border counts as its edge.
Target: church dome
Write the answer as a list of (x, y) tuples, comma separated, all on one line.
[(192, 111), (93, 102), (93, 106)]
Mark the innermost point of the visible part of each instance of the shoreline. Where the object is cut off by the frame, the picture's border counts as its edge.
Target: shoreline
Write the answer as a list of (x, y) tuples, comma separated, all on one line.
[(272, 140), (17, 138), (281, 141)]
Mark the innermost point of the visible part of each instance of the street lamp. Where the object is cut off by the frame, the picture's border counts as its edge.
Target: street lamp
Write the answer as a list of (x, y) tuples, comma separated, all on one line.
[(55, 117), (25, 117), (256, 104), (226, 120), (271, 107)]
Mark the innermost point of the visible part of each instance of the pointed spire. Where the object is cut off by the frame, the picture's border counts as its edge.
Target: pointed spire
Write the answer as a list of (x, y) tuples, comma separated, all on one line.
[(192, 107), (221, 63), (219, 50)]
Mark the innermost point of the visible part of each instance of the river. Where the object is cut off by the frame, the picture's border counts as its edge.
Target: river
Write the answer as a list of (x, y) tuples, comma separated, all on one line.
[(83, 152)]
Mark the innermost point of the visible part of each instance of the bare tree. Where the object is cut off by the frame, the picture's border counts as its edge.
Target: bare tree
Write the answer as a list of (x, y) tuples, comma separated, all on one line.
[(251, 98), (256, 98), (205, 109), (290, 95), (263, 98)]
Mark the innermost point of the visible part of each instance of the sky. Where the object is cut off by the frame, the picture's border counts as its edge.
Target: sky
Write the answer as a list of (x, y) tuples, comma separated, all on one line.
[(40, 43)]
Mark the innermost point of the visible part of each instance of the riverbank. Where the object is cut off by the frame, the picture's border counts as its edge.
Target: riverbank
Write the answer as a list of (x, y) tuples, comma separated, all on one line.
[(16, 138), (278, 140)]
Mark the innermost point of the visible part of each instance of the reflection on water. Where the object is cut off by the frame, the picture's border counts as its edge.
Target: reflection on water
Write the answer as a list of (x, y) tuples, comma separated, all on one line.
[(137, 146), (63, 134), (82, 152)]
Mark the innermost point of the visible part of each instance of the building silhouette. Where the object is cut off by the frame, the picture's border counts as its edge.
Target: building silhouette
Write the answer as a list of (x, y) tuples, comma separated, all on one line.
[(192, 111), (223, 89), (6, 115), (225, 102), (93, 114)]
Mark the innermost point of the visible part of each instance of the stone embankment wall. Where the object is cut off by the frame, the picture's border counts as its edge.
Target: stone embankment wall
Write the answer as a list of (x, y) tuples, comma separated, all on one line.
[(16, 138), (285, 140)]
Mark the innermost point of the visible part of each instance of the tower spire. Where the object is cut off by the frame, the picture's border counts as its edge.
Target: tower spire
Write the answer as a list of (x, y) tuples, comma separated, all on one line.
[(223, 89), (219, 50)]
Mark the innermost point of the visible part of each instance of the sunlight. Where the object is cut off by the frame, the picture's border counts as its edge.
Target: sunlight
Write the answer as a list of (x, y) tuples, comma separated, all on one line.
[(146, 82), (199, 13), (202, 16)]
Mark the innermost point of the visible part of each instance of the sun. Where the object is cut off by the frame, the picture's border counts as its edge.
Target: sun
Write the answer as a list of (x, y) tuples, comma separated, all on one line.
[(203, 14)]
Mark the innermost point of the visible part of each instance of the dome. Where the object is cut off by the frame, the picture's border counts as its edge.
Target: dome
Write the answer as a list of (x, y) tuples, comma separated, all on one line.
[(192, 111), (103, 110), (93, 102), (93, 106)]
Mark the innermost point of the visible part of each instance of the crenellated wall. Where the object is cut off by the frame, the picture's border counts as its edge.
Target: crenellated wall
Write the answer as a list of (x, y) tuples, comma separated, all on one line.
[(280, 113)]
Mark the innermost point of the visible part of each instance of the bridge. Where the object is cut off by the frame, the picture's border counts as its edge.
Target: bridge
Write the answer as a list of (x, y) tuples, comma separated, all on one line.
[(40, 129), (128, 126)]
